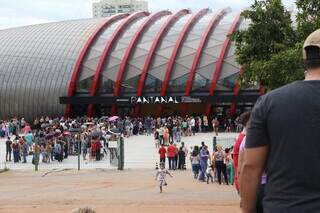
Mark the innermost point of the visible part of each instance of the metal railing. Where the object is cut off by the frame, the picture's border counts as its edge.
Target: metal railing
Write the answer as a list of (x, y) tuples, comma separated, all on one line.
[(109, 158)]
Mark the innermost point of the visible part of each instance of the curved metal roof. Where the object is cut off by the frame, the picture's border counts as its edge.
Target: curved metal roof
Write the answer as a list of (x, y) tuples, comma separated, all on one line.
[(137, 54)]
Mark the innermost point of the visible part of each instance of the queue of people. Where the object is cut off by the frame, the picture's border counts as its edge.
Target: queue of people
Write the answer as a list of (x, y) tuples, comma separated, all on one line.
[(182, 126), (176, 156), (217, 167)]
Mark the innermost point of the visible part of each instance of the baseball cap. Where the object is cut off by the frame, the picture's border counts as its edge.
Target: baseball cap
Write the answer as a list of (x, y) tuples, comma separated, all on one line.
[(311, 50)]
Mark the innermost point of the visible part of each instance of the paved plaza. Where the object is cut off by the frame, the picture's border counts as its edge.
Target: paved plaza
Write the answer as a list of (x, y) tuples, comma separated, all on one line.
[(108, 190), (140, 152), (131, 190)]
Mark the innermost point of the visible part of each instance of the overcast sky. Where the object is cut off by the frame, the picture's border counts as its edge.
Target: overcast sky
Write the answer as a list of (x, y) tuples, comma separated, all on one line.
[(14, 13)]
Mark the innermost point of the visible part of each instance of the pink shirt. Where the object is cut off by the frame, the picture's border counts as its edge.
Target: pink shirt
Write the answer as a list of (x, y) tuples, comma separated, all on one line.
[(242, 148)]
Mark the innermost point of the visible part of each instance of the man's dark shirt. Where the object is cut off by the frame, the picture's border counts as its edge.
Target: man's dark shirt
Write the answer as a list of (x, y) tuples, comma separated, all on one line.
[(288, 121), (8, 145)]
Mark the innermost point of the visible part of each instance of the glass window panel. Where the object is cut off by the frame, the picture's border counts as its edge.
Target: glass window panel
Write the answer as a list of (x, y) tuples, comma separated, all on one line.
[(152, 84)]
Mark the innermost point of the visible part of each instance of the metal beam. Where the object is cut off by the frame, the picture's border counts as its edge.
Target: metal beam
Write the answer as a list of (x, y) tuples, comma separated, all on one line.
[(84, 51), (182, 36), (151, 19), (219, 63), (155, 44), (109, 45), (204, 38), (220, 97)]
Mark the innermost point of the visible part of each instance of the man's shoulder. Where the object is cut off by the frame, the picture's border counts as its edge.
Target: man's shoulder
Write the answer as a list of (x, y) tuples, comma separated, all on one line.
[(284, 90)]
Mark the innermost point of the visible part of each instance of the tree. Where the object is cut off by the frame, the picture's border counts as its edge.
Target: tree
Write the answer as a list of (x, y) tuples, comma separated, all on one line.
[(308, 17), (270, 49)]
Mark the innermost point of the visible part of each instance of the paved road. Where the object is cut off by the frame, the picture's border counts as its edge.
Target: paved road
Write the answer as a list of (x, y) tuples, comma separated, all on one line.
[(131, 190), (140, 153)]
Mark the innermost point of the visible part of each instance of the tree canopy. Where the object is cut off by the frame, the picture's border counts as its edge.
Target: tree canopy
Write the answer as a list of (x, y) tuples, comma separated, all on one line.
[(270, 49)]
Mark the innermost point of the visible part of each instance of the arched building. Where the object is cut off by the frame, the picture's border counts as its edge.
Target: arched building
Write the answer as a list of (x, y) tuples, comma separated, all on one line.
[(141, 63)]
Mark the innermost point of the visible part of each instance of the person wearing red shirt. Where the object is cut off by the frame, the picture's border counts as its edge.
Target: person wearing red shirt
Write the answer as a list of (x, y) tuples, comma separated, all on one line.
[(93, 148), (243, 119), (162, 153), (98, 149), (171, 153)]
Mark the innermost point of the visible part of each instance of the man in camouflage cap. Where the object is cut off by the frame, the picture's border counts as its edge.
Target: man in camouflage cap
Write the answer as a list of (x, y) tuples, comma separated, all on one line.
[(283, 140), (311, 54)]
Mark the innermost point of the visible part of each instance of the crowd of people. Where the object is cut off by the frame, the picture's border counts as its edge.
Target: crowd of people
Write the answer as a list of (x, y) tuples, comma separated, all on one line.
[(221, 166), (215, 167), (54, 140), (57, 138)]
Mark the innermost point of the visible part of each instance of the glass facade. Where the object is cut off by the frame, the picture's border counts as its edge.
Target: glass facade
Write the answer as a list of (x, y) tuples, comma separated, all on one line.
[(37, 62)]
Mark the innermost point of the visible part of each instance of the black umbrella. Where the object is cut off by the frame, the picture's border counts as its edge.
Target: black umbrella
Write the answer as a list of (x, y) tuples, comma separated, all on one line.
[(115, 131)]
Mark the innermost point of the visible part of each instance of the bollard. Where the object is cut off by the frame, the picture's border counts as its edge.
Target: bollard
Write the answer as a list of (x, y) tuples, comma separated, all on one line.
[(36, 161), (79, 148), (121, 154)]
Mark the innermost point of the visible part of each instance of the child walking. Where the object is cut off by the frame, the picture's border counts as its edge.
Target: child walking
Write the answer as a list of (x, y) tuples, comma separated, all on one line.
[(209, 174), (161, 176)]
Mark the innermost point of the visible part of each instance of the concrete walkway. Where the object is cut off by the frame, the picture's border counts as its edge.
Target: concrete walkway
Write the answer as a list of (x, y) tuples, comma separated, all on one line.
[(140, 152)]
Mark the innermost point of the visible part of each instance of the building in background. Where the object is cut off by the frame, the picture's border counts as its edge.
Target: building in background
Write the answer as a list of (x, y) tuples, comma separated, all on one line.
[(140, 64), (106, 8)]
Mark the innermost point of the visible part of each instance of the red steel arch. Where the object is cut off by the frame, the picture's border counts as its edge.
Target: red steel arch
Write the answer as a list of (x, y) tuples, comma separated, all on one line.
[(206, 35), (176, 50), (178, 46), (210, 28), (156, 42), (154, 46), (108, 49), (219, 63), (83, 53), (132, 44)]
